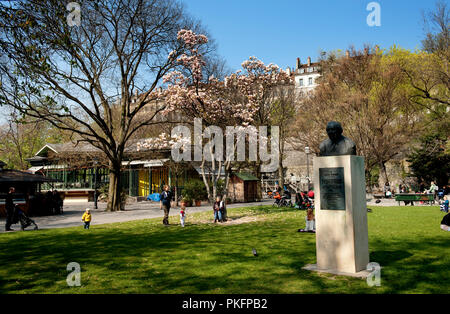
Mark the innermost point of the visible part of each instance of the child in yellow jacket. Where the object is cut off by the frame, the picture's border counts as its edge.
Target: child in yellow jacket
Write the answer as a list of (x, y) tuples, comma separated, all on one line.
[(87, 217)]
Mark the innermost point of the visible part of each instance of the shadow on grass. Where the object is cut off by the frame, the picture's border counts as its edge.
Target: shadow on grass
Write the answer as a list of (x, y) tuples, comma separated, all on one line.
[(419, 265), (142, 257)]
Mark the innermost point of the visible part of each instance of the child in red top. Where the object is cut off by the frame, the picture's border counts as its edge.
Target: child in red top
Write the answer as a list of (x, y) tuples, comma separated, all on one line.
[(182, 215)]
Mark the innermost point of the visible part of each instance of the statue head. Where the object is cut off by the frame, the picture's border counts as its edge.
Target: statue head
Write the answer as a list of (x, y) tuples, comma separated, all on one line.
[(334, 130)]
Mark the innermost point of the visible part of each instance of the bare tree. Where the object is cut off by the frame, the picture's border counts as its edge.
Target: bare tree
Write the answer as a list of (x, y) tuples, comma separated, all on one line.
[(282, 113), (368, 94), (74, 77)]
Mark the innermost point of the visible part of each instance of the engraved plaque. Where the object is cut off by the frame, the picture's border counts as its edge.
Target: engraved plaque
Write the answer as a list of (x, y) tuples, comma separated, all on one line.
[(332, 188)]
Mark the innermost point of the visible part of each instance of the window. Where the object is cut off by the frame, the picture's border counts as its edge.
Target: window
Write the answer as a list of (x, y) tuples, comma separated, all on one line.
[(310, 81), (310, 69), (300, 82), (302, 71)]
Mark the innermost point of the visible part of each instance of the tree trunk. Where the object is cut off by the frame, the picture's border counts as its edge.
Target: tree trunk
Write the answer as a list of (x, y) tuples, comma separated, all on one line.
[(205, 180), (227, 180), (176, 189), (281, 176), (258, 174), (114, 197), (384, 172), (280, 161)]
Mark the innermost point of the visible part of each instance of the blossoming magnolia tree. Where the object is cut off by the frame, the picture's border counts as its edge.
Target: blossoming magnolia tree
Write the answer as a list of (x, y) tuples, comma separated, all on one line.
[(235, 101)]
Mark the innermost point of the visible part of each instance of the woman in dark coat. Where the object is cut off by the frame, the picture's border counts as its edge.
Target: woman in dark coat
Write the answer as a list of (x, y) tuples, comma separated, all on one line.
[(9, 207)]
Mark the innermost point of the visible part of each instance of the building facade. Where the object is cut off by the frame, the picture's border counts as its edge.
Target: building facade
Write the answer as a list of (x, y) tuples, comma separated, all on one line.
[(78, 169), (306, 75)]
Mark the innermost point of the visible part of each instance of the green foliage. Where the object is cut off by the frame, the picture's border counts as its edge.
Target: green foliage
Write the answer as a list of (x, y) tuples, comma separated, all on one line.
[(431, 161), (194, 190), (220, 187), (22, 138), (104, 189), (373, 176)]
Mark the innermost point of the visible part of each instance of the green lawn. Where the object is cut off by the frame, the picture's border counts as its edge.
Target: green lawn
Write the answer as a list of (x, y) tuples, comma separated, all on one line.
[(146, 257)]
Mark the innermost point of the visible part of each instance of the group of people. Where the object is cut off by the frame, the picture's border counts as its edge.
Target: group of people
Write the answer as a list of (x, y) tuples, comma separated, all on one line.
[(439, 193), (14, 214), (166, 198), (304, 199), (276, 194)]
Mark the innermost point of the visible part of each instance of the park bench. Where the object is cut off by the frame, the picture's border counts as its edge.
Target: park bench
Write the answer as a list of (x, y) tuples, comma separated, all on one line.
[(414, 198), (378, 196)]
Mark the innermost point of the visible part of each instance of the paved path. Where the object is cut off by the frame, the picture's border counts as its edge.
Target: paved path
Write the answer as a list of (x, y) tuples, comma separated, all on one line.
[(393, 202), (141, 210)]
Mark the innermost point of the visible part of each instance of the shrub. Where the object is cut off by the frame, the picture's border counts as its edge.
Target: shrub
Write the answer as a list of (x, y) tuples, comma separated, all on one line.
[(194, 190)]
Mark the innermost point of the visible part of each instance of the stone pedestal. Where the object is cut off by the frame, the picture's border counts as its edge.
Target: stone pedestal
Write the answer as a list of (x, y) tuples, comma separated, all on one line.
[(341, 214)]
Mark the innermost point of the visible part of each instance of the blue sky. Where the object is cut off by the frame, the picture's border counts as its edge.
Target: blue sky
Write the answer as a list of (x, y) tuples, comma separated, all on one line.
[(279, 31)]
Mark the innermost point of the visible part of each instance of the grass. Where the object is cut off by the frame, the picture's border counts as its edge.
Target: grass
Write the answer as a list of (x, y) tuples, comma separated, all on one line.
[(146, 257)]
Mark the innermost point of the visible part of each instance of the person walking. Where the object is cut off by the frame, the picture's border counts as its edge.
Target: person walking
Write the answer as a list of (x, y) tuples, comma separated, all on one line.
[(9, 207), (165, 199)]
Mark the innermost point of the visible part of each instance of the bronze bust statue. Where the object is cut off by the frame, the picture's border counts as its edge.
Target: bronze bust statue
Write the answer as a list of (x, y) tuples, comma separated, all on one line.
[(337, 144)]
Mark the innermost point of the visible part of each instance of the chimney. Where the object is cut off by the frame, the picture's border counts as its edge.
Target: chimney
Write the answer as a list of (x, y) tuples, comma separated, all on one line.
[(299, 64), (366, 51), (377, 49), (347, 54), (309, 61), (288, 71)]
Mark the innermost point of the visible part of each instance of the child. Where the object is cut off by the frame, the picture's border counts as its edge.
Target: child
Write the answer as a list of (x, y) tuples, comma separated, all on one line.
[(277, 197), (217, 210), (182, 215), (87, 218), (445, 204), (310, 222)]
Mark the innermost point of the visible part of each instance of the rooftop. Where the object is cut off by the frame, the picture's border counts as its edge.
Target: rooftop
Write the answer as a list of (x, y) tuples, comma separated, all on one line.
[(10, 175)]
